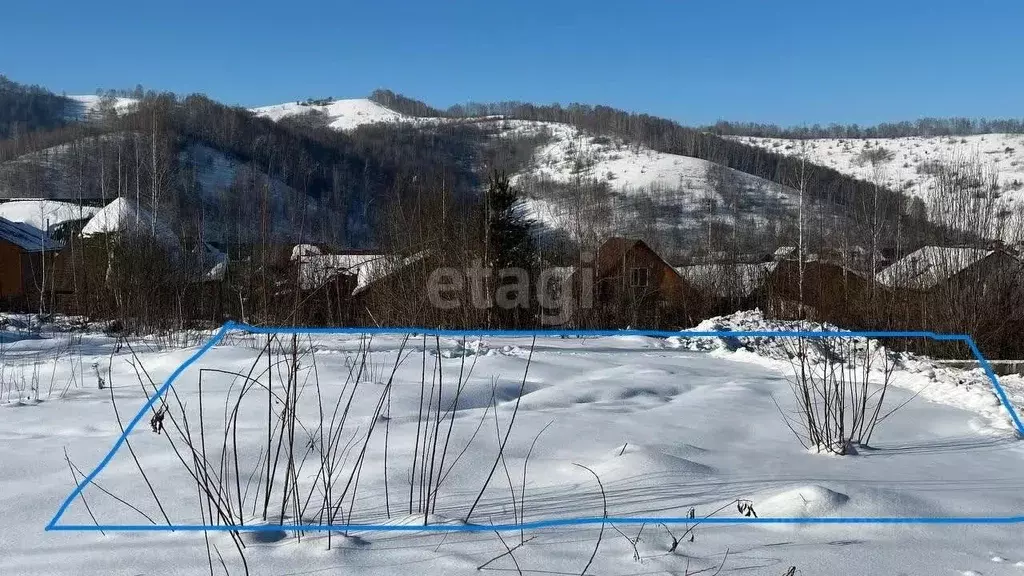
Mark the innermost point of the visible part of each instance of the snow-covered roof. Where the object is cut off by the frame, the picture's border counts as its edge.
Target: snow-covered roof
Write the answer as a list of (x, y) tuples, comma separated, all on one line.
[(929, 266), (785, 252), (40, 213), (727, 280), (317, 269), (122, 216), (26, 237), (302, 250), (211, 264)]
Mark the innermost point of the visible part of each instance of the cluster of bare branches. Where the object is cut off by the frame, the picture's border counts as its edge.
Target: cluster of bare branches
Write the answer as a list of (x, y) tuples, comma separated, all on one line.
[(840, 386)]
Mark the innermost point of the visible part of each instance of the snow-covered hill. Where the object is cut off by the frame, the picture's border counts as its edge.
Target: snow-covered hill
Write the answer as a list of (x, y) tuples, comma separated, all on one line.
[(907, 164), (692, 187), (88, 107), (684, 188), (345, 114), (210, 175)]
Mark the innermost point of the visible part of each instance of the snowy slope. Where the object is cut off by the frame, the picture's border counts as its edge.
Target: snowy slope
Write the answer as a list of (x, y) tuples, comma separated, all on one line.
[(341, 114), (908, 169), (87, 107), (684, 183), (679, 185), (665, 425)]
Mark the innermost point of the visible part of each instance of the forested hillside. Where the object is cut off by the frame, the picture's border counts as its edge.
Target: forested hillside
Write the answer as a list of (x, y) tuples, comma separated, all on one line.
[(26, 109)]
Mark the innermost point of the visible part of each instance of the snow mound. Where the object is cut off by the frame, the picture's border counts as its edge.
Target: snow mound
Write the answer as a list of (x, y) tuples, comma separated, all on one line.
[(969, 389), (803, 502), (634, 460), (781, 348)]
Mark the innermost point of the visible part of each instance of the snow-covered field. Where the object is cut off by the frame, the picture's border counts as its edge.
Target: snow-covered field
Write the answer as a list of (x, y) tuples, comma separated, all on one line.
[(909, 160), (667, 425)]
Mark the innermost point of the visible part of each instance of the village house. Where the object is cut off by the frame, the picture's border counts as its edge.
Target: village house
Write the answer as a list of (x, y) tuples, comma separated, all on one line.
[(24, 252), (830, 291), (964, 290), (341, 286), (634, 286)]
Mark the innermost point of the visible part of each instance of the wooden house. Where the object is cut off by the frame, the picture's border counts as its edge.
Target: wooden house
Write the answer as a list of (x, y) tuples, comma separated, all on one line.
[(634, 286), (969, 290), (24, 252)]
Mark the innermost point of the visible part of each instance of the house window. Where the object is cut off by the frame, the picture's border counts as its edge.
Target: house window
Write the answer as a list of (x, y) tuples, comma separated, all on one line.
[(639, 277)]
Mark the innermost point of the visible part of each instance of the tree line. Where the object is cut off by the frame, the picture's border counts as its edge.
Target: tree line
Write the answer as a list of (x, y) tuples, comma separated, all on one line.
[(25, 109), (922, 127)]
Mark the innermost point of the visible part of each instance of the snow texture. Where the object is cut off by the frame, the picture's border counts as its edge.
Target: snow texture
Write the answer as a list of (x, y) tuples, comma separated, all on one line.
[(667, 424)]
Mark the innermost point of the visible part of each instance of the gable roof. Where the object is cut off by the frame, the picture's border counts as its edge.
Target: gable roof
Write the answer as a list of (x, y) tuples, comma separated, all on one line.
[(927, 267), (26, 237), (209, 263), (121, 216), (612, 251)]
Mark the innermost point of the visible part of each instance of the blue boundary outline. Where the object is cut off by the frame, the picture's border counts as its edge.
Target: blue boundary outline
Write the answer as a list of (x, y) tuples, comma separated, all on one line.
[(229, 326)]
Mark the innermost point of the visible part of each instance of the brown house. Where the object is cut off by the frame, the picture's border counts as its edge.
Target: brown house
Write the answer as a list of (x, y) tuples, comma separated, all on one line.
[(634, 286), (23, 251), (962, 290), (830, 291)]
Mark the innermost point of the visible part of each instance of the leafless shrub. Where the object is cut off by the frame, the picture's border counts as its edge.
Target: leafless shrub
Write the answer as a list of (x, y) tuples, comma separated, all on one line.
[(839, 384)]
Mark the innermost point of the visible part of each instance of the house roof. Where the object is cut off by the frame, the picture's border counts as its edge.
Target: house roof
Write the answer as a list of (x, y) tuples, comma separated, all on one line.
[(26, 237), (785, 252), (727, 280), (210, 264), (316, 269), (40, 213), (123, 216), (611, 252), (929, 266)]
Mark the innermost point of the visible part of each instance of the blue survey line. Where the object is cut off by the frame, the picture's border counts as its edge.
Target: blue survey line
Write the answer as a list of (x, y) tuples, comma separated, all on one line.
[(229, 326), (555, 523), (131, 425)]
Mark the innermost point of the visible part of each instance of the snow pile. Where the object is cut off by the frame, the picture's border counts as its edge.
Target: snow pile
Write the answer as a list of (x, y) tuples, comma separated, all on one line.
[(771, 347), (466, 348), (970, 389)]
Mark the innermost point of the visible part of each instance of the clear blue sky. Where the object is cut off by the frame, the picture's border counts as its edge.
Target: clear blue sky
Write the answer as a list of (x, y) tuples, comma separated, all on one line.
[(788, 62)]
